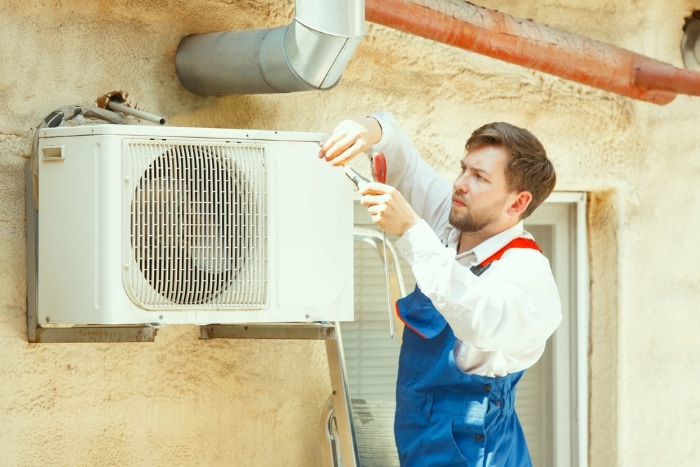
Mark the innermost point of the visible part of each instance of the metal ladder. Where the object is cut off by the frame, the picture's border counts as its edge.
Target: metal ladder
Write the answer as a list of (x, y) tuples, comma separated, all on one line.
[(355, 432), (360, 432), (338, 445)]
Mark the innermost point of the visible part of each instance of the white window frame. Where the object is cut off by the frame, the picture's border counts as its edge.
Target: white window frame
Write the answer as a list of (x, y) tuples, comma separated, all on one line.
[(570, 343)]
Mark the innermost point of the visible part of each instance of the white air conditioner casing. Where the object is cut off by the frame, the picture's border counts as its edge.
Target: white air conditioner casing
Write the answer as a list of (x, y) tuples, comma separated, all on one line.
[(173, 225)]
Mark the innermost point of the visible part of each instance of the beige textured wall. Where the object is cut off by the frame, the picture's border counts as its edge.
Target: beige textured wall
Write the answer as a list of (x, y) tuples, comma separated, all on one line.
[(184, 401)]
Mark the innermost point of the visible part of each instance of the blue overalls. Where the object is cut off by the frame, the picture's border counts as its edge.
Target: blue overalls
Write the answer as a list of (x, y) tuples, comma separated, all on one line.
[(444, 416)]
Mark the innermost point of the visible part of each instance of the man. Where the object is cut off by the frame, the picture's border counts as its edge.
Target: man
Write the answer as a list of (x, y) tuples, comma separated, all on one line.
[(485, 301)]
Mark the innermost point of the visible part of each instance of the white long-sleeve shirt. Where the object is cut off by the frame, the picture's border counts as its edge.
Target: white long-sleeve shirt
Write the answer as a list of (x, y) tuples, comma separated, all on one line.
[(502, 318)]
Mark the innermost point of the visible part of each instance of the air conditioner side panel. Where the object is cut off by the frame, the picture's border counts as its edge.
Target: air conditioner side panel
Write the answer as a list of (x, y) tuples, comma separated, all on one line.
[(79, 226), (311, 236)]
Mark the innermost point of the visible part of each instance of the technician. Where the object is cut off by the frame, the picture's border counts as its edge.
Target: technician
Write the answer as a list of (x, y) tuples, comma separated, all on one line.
[(485, 301)]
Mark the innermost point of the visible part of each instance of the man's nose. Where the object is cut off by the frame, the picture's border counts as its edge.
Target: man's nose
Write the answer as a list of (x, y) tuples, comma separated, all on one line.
[(461, 183)]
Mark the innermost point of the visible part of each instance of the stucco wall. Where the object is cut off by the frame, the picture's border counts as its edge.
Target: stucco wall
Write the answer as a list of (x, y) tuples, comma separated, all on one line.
[(185, 401)]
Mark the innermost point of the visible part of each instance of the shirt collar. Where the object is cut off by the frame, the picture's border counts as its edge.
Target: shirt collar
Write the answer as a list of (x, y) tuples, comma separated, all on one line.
[(491, 245)]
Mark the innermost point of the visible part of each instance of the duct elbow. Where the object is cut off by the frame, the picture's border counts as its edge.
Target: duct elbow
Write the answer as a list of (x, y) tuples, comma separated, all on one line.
[(296, 57), (318, 59)]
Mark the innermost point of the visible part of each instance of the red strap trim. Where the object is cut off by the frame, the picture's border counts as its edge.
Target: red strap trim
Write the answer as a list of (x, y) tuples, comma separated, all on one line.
[(398, 313), (520, 242)]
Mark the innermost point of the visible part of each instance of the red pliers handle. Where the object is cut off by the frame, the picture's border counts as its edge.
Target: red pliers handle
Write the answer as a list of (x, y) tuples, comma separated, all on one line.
[(378, 162)]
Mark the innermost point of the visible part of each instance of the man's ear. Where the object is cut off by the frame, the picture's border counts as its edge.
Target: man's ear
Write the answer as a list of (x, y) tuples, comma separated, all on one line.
[(520, 204)]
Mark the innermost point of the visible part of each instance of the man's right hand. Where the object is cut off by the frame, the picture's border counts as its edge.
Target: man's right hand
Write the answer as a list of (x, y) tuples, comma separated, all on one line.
[(389, 209)]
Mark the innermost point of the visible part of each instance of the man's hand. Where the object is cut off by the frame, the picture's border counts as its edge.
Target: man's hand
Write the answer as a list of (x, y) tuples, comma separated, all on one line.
[(389, 209), (350, 138)]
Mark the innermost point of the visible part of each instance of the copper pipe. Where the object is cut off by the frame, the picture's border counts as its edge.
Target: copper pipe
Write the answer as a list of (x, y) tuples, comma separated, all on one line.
[(526, 43)]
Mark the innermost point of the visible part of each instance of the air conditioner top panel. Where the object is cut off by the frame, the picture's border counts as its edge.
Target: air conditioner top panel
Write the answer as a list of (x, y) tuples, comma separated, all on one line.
[(179, 132)]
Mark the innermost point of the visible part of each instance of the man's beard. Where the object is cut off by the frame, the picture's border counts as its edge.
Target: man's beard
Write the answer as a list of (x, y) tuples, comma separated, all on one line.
[(472, 221), (466, 222)]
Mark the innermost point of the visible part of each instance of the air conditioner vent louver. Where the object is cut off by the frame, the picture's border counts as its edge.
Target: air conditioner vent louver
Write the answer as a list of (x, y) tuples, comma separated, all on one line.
[(198, 225)]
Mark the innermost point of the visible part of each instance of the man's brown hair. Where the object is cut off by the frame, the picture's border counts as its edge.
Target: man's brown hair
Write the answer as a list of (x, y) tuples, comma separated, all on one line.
[(527, 165)]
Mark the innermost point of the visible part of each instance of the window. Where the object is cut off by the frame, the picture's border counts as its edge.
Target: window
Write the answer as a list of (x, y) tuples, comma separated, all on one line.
[(552, 396)]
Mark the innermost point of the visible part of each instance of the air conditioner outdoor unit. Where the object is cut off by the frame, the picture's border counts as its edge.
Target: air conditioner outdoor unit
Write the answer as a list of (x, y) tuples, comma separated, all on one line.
[(144, 224)]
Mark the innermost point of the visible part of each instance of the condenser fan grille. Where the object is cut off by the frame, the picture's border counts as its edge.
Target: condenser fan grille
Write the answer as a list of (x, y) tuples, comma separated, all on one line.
[(197, 225)]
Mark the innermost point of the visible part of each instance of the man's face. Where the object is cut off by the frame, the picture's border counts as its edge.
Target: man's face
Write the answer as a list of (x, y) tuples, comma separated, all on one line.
[(480, 197)]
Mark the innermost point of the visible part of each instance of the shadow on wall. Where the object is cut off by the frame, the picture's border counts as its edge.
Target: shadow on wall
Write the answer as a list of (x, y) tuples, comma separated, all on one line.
[(603, 345)]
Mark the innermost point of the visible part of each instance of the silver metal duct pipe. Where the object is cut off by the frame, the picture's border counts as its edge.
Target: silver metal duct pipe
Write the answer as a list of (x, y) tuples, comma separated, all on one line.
[(308, 54)]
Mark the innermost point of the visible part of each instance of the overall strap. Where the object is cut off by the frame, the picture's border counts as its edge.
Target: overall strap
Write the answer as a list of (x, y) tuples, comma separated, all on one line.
[(520, 242)]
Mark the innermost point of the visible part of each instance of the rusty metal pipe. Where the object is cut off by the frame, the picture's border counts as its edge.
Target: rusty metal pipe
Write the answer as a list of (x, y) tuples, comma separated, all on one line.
[(526, 43), (666, 77)]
